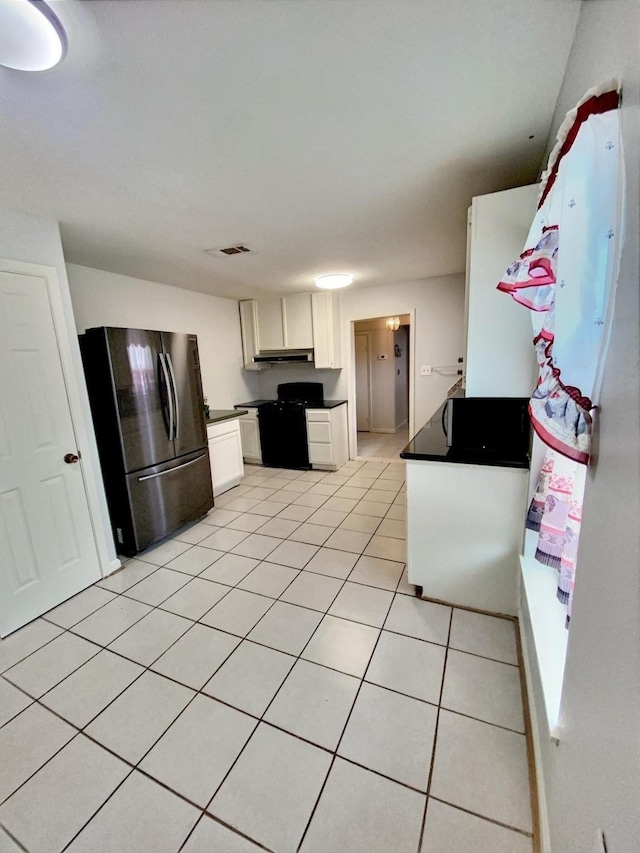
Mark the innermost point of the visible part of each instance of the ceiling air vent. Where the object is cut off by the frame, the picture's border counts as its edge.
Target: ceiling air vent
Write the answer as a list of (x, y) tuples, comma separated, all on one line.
[(239, 249)]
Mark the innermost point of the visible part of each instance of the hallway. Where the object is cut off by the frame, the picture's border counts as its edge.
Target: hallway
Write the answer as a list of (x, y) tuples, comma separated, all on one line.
[(381, 445)]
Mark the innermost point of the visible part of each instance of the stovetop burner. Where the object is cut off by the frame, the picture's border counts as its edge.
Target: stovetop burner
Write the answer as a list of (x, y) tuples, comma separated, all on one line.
[(301, 393)]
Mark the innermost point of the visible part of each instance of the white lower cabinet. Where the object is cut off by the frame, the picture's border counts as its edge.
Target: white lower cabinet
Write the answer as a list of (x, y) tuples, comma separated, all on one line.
[(225, 455), (327, 437), (250, 432), (464, 532)]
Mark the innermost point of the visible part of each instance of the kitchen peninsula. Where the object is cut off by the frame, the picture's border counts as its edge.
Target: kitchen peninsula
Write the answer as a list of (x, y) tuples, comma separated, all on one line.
[(465, 511)]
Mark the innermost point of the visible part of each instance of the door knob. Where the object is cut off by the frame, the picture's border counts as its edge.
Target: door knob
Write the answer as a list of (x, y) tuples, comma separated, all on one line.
[(71, 458)]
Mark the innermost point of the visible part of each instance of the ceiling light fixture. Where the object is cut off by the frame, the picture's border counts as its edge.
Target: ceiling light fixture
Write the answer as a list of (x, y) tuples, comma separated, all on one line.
[(332, 281), (31, 36), (393, 323)]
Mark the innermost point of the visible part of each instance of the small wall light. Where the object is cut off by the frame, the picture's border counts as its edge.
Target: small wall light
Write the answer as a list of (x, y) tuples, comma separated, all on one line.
[(393, 323)]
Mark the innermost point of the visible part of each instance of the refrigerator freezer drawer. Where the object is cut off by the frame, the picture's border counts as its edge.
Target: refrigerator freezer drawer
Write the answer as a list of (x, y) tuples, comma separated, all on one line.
[(166, 496)]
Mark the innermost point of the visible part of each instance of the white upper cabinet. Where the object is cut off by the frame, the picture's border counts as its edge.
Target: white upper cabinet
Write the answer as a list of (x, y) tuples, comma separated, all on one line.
[(270, 325), (249, 330), (296, 321), (325, 309), (500, 359)]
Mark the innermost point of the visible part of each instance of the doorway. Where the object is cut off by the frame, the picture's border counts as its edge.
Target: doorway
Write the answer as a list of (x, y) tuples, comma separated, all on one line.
[(382, 386)]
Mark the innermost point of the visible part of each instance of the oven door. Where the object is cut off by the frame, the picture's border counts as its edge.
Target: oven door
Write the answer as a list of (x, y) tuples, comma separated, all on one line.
[(283, 435)]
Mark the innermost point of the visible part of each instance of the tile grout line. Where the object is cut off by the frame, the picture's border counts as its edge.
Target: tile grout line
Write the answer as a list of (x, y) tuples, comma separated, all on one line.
[(344, 728), (435, 738), (262, 720), (13, 838), (484, 817)]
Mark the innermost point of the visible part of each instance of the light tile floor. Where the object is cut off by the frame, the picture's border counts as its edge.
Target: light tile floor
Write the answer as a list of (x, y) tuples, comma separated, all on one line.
[(381, 445), (266, 679)]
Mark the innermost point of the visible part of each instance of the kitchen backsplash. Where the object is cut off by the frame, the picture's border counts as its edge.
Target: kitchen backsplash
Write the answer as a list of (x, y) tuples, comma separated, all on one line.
[(332, 380)]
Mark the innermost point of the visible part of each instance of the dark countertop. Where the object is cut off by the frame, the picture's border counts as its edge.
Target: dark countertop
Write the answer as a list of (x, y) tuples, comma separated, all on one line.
[(328, 404), (430, 444), (217, 415)]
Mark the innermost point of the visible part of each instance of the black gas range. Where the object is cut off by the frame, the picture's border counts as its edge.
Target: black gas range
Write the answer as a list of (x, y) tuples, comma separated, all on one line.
[(283, 424)]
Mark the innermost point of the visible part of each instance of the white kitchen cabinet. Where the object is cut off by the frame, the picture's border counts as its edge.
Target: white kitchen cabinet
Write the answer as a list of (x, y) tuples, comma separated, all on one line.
[(270, 326), (225, 455), (464, 532), (296, 321), (325, 309), (500, 359), (327, 437), (249, 330), (250, 437)]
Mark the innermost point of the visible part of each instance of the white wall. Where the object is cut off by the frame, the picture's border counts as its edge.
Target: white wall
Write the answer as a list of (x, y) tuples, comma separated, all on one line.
[(269, 378), (592, 779), (37, 241), (107, 299)]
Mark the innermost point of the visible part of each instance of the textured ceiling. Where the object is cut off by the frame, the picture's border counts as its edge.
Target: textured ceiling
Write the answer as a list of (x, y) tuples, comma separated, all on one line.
[(325, 135)]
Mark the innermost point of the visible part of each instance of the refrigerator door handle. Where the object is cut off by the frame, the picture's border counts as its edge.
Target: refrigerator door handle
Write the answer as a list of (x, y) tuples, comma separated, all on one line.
[(171, 470), (163, 365), (174, 389)]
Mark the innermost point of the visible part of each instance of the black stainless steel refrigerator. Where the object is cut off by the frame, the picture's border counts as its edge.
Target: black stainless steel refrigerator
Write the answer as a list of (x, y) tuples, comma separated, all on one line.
[(146, 401)]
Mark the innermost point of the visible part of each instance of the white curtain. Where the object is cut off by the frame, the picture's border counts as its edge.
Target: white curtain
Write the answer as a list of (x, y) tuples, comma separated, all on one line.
[(566, 277)]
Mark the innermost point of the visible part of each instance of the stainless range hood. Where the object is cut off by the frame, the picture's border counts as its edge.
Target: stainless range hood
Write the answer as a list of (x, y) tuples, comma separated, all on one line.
[(284, 356)]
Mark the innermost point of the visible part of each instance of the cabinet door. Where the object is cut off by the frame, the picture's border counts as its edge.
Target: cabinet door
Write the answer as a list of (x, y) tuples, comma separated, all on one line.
[(324, 307), (270, 328), (250, 438), (225, 455), (296, 319), (249, 330)]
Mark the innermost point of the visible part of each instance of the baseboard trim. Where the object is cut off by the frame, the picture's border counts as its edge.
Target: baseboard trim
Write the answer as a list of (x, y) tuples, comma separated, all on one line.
[(111, 567), (542, 835)]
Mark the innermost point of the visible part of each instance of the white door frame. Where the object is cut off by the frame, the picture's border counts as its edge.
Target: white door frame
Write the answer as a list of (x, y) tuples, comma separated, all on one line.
[(367, 335), (349, 327), (79, 408)]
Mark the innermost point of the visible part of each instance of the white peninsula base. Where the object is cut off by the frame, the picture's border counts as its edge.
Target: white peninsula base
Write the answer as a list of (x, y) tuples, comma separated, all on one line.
[(464, 532)]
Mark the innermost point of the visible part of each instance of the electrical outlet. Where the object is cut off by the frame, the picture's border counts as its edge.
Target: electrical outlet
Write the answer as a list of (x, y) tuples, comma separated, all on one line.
[(425, 370)]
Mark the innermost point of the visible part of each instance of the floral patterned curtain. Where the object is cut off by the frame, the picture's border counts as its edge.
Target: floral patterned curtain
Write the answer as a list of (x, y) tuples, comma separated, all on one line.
[(566, 277)]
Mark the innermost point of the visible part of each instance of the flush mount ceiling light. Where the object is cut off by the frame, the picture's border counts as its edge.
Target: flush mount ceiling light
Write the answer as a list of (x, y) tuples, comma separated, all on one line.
[(393, 323), (333, 281), (31, 36)]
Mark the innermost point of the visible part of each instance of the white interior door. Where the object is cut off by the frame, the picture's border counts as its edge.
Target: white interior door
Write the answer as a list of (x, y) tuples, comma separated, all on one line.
[(47, 548), (363, 383)]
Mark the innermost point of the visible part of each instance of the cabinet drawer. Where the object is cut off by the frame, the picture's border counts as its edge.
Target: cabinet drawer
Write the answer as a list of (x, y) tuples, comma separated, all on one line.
[(320, 454), (223, 428), (318, 414), (319, 432)]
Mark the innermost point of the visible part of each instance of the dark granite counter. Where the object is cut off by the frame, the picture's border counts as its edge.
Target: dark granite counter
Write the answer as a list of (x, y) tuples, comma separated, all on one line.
[(328, 404), (217, 415), (430, 444)]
